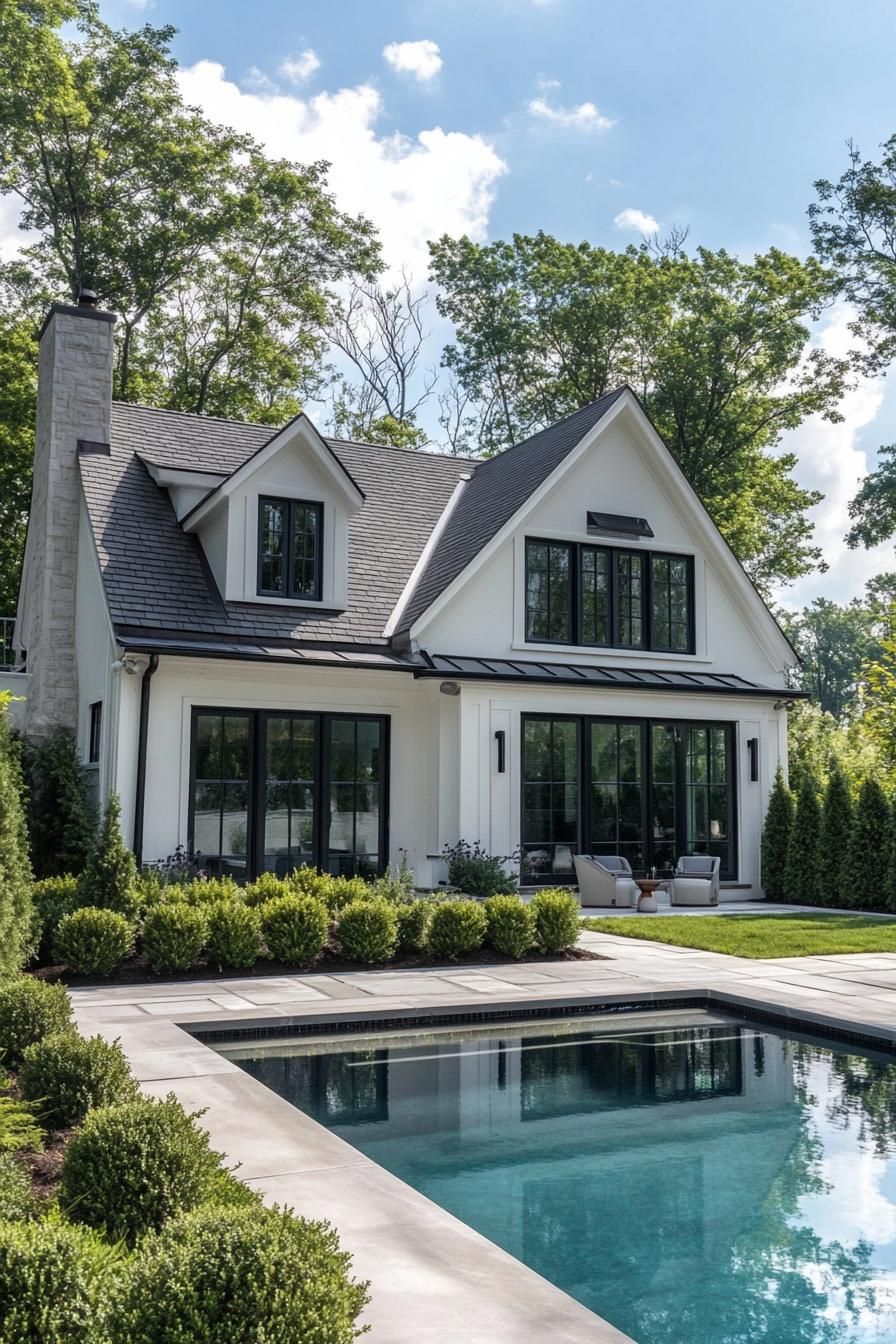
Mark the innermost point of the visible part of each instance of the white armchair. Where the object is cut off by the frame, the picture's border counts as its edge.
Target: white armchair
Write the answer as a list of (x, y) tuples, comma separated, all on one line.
[(696, 880), (605, 880)]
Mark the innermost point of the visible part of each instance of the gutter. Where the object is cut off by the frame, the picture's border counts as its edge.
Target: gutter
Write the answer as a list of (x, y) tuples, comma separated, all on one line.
[(142, 741)]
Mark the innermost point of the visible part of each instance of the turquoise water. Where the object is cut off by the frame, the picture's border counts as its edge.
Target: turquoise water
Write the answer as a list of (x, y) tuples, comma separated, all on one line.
[(693, 1179)]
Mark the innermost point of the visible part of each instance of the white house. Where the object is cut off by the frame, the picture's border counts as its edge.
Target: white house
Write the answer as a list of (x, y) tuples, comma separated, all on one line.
[(280, 648)]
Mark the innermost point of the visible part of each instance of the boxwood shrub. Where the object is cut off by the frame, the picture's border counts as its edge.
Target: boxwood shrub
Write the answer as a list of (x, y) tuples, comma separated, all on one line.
[(557, 920), (92, 941), (54, 1279), (29, 1011), (368, 931), (241, 1274), (413, 919), (295, 929), (338, 892), (234, 935), (132, 1167), (202, 891), (64, 1076), (52, 898), (266, 887), (16, 1199), (511, 925), (456, 927), (174, 936)]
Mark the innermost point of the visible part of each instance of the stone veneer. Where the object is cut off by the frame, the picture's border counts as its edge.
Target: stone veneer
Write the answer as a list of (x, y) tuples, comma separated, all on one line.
[(74, 401)]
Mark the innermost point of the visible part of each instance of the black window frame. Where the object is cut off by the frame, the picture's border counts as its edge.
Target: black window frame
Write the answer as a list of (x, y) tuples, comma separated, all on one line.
[(647, 556), (289, 506), (572, 613), (94, 732)]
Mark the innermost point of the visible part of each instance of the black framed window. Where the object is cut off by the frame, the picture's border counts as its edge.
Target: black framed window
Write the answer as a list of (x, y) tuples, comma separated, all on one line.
[(551, 808), (290, 548), (220, 790), (95, 732), (608, 597)]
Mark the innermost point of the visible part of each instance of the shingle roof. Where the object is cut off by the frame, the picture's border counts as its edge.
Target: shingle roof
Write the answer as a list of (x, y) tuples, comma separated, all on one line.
[(156, 577), (496, 489)]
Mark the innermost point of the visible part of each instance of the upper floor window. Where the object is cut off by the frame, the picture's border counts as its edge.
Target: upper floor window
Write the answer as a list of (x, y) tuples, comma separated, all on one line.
[(94, 732), (289, 548), (607, 597)]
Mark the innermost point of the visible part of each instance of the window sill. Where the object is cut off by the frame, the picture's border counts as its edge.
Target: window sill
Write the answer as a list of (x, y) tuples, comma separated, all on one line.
[(323, 604), (593, 651)]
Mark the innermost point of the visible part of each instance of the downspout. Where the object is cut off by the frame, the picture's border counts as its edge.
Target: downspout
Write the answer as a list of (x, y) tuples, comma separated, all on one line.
[(142, 735)]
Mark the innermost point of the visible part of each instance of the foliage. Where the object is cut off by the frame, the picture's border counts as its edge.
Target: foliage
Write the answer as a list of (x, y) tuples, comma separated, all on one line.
[(815, 740), (54, 1278), (66, 1075), (776, 838), (713, 345), (51, 898), (29, 1011), (456, 927), (395, 885), (557, 920), (61, 821), (368, 931), (19, 1127), (266, 887), (241, 1274), (234, 935), (339, 892), (867, 877), (16, 1200), (836, 830), (108, 881), (760, 936), (18, 397), (802, 869), (203, 891), (413, 919), (511, 925), (92, 941), (472, 870), (174, 936), (833, 643), (16, 915), (879, 719), (131, 1167), (295, 929)]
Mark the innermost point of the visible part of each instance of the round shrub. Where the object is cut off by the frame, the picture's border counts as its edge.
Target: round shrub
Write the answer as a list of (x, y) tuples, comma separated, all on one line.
[(52, 898), (174, 936), (234, 935), (413, 925), (295, 929), (53, 1282), (307, 881), (16, 1199), (266, 887), (29, 1011), (241, 1274), (202, 891), (557, 920), (93, 942), (339, 892), (132, 1167), (368, 931), (69, 1074), (511, 925), (457, 927)]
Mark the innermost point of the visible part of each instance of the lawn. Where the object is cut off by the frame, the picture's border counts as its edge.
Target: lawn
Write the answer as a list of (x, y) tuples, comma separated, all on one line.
[(760, 936)]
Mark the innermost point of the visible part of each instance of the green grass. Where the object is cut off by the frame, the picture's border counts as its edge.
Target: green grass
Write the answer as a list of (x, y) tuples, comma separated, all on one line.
[(759, 936)]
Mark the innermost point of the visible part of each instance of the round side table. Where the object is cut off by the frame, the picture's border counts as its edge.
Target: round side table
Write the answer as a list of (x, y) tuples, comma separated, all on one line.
[(647, 900)]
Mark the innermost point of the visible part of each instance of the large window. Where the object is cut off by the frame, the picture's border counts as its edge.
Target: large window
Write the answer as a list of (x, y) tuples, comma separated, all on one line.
[(606, 597), (289, 548), (648, 790)]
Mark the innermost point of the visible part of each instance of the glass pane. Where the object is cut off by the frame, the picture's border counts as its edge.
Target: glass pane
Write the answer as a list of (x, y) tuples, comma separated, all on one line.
[(616, 805), (595, 591), (630, 751), (353, 835), (565, 754), (271, 545), (207, 819), (208, 746), (603, 751), (550, 814), (288, 833), (305, 542), (220, 836), (342, 749)]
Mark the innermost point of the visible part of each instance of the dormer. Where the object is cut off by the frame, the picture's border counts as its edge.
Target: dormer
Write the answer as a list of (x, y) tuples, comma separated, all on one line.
[(275, 531)]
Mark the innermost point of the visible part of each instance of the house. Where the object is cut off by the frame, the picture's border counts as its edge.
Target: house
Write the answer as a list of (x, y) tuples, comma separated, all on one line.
[(280, 648)]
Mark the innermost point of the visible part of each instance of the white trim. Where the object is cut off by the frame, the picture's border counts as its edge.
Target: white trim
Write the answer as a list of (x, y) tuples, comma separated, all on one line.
[(423, 558)]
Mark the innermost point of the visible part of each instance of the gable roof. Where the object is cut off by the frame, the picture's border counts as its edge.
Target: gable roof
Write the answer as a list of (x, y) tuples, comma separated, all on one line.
[(497, 488)]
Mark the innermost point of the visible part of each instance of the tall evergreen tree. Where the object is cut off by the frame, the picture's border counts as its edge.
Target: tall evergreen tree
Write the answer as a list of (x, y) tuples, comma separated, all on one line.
[(836, 829), (802, 874), (867, 878), (15, 869), (61, 820), (108, 880), (776, 837)]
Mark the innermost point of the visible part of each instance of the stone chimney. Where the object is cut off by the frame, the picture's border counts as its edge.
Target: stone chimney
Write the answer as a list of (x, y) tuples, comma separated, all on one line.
[(74, 409)]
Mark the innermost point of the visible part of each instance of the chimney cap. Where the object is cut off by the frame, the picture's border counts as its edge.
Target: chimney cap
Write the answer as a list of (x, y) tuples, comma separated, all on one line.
[(73, 310), (86, 297)]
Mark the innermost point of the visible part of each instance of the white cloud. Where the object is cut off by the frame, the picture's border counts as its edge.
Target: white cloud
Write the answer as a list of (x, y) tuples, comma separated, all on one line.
[(300, 67), (413, 189), (584, 117), (635, 221), (420, 59)]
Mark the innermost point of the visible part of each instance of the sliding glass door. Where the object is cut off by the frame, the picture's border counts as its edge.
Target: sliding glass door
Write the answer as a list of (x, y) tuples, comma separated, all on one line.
[(648, 790), (291, 780)]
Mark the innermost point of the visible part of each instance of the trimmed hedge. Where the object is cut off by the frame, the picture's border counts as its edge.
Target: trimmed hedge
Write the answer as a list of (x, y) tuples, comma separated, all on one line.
[(511, 925), (368, 931), (52, 898), (457, 927), (295, 929), (234, 935), (413, 921), (202, 891), (557, 920), (173, 936), (66, 1075), (53, 1282), (29, 1011), (92, 941), (16, 1200)]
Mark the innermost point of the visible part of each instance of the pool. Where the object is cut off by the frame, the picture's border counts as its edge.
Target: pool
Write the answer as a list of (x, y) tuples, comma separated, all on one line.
[(691, 1177)]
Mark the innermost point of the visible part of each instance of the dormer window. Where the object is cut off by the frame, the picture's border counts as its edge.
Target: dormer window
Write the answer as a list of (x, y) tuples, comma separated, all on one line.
[(289, 548)]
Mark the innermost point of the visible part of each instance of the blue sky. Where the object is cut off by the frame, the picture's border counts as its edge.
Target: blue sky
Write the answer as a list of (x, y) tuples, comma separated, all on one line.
[(508, 115)]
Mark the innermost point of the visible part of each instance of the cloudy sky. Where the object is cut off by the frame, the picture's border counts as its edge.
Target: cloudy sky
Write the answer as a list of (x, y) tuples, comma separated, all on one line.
[(597, 119)]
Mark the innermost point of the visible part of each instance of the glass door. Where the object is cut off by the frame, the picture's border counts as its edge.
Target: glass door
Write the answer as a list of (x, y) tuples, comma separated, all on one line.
[(550, 830), (354, 764), (616, 820), (664, 847), (291, 776), (709, 821), (221, 791)]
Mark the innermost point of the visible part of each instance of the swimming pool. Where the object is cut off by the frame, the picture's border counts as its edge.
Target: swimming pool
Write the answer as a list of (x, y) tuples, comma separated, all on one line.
[(692, 1178)]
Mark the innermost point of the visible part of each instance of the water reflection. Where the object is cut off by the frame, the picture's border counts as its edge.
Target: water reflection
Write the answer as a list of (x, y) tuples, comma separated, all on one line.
[(694, 1182)]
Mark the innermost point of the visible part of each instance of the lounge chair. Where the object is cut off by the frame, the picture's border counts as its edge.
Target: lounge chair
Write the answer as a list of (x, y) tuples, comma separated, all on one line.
[(605, 879), (696, 880)]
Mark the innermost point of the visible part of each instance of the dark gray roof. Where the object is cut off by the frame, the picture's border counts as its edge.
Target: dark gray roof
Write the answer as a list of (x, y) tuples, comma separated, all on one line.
[(496, 489), (156, 577)]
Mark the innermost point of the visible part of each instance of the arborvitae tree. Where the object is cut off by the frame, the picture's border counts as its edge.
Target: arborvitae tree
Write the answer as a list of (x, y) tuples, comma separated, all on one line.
[(802, 873), (61, 820), (776, 837), (108, 879), (15, 868), (866, 882), (836, 829)]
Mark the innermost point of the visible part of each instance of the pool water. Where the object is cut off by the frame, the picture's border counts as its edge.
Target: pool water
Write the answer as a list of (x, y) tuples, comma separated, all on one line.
[(692, 1178)]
